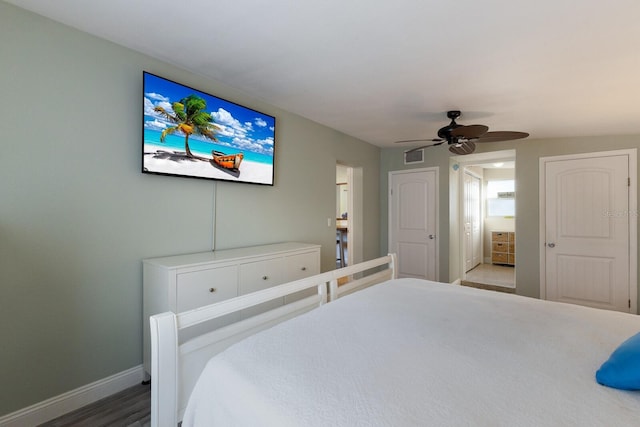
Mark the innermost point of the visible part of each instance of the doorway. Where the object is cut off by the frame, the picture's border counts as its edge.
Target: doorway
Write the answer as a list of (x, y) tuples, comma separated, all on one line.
[(483, 197), (588, 230), (349, 215)]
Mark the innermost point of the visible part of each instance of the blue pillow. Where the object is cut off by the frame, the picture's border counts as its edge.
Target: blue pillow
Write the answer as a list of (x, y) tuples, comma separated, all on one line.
[(622, 370)]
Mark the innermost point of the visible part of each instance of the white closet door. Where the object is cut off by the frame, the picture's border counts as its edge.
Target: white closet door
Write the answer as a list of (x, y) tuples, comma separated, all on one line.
[(471, 225), (587, 231)]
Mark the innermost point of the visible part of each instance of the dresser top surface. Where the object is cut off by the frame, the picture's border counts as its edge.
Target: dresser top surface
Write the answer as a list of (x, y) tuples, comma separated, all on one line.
[(229, 254)]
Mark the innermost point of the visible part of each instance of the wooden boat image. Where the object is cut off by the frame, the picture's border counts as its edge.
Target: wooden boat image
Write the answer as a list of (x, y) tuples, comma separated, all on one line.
[(229, 163)]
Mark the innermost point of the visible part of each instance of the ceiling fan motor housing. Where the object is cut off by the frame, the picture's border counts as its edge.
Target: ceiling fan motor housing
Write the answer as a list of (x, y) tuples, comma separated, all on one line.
[(453, 114), (445, 132)]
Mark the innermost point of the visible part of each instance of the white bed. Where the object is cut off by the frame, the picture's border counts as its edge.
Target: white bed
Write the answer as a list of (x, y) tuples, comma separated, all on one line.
[(411, 352), (176, 365)]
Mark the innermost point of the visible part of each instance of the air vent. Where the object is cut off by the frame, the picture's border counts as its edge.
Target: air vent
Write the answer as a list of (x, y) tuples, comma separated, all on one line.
[(416, 156)]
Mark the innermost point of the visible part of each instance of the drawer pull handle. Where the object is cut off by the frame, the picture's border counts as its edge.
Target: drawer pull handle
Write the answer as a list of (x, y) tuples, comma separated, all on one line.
[(212, 290), (304, 268), (265, 277)]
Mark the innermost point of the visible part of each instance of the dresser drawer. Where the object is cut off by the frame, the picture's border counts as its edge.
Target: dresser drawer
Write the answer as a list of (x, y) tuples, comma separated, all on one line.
[(300, 266), (199, 288), (500, 247), (255, 276), (499, 236), (499, 258)]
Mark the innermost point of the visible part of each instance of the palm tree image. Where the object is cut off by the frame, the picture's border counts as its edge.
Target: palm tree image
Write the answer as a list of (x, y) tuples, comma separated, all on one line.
[(189, 118), (193, 134)]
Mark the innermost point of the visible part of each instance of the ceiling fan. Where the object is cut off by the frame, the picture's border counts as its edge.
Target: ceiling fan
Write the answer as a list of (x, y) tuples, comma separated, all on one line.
[(462, 139)]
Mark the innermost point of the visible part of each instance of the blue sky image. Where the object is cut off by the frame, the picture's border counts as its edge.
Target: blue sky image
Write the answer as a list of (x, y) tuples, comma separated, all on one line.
[(240, 127)]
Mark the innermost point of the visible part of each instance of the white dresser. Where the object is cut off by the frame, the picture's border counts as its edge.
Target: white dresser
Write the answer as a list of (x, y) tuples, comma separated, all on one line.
[(184, 282)]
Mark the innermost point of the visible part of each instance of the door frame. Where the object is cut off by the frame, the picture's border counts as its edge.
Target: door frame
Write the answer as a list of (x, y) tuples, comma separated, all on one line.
[(355, 205), (355, 208), (459, 164), (435, 169), (632, 155)]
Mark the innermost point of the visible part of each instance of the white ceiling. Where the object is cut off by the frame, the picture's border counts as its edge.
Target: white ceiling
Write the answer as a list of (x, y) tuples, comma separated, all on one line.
[(388, 70)]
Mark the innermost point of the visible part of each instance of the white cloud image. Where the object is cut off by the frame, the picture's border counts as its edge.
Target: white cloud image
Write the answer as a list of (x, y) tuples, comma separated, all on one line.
[(156, 96)]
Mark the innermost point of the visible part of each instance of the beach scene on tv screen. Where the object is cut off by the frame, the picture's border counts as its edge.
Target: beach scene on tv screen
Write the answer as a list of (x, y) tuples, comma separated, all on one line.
[(194, 134)]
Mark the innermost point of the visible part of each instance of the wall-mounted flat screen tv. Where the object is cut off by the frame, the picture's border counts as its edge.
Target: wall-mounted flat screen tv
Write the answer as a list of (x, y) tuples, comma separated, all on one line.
[(190, 133)]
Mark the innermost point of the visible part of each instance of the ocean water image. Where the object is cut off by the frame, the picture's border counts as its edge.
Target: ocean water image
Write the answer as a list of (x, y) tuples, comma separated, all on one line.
[(202, 148)]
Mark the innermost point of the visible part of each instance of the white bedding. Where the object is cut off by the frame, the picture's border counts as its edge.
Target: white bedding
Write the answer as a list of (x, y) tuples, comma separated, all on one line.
[(413, 353)]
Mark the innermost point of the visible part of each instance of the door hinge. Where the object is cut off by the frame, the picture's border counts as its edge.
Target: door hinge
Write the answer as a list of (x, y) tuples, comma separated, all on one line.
[(629, 303), (628, 182)]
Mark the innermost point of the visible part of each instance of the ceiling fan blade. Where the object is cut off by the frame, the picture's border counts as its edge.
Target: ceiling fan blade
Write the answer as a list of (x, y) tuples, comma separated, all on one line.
[(463, 148), (418, 140), (424, 146), (471, 131), (501, 136)]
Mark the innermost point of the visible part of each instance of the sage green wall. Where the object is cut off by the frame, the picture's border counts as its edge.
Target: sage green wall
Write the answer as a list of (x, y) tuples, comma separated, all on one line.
[(528, 154), (77, 216)]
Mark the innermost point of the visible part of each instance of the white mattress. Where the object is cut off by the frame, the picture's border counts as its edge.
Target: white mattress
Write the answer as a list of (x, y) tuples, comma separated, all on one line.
[(413, 353)]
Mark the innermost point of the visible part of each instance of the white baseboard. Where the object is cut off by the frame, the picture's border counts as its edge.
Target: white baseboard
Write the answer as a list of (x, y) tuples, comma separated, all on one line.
[(74, 399), (456, 282)]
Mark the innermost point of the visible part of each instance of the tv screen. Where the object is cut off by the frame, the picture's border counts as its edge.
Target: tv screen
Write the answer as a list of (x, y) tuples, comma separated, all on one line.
[(193, 134)]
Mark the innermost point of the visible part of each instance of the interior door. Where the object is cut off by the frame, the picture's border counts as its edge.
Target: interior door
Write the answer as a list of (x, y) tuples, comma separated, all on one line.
[(587, 231), (413, 222), (472, 219)]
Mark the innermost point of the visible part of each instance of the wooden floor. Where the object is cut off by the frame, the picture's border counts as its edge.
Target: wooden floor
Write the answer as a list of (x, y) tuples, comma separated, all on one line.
[(129, 408)]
